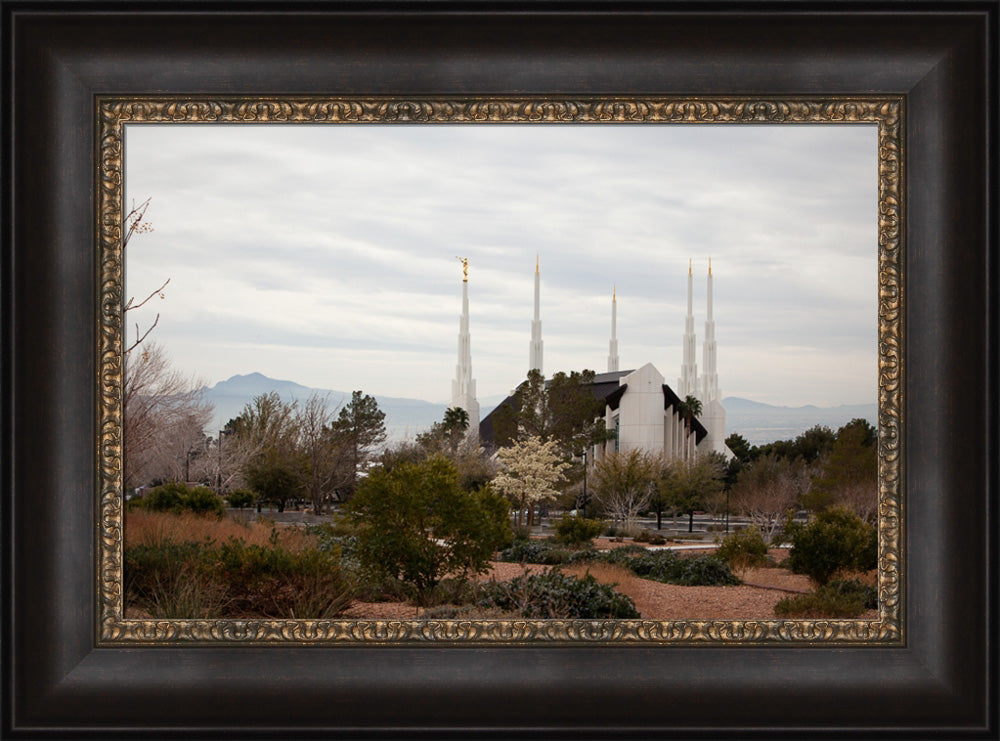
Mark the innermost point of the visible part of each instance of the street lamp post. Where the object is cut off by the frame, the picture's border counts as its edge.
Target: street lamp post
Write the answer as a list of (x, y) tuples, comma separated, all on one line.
[(218, 475)]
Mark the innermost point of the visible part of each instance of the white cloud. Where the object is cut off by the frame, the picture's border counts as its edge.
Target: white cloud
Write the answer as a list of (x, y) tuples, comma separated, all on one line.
[(326, 254)]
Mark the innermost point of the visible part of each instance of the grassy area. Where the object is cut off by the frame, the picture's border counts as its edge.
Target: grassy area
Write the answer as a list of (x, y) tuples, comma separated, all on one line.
[(187, 566)]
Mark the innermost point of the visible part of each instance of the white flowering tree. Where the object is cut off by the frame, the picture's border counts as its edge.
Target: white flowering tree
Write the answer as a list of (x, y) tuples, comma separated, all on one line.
[(531, 468)]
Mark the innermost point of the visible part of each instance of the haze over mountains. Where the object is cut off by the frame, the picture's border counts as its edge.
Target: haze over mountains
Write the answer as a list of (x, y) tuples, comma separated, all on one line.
[(758, 423)]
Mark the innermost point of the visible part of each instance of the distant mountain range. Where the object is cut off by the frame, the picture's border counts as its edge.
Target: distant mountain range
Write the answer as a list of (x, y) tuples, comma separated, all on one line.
[(764, 423), (405, 418)]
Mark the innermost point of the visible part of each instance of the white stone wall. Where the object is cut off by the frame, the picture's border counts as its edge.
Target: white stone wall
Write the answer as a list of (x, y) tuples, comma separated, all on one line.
[(641, 411)]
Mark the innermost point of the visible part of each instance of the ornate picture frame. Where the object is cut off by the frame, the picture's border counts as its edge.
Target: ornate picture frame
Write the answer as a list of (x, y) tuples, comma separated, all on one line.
[(887, 113), (72, 665)]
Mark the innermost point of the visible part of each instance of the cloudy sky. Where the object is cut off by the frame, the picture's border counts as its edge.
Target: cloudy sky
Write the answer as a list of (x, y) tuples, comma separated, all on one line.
[(326, 255)]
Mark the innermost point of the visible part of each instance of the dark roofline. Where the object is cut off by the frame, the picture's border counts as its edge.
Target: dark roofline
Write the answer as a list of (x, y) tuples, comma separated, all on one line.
[(606, 386), (671, 399)]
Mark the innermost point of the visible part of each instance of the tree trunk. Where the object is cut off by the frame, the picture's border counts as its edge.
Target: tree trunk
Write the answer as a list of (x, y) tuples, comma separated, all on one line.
[(691, 521), (659, 519)]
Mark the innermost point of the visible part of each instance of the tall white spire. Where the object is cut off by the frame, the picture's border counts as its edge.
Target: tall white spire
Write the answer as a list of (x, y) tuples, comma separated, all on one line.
[(713, 414), (687, 385), (613, 343), (463, 388), (535, 350), (709, 376)]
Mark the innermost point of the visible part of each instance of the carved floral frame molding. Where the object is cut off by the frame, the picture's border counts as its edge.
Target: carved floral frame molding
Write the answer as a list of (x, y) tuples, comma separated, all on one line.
[(114, 113)]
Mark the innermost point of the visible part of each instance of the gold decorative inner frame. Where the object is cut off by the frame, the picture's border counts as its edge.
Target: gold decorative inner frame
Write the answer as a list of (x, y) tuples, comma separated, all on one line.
[(114, 113)]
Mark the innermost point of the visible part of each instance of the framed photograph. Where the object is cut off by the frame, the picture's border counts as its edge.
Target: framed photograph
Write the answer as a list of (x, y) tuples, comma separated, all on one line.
[(85, 87)]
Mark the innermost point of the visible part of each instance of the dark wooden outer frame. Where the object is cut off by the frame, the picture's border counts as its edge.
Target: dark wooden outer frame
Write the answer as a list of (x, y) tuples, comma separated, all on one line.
[(57, 58)]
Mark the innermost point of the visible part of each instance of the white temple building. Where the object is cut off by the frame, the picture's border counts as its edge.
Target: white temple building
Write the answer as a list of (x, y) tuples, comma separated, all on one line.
[(642, 411)]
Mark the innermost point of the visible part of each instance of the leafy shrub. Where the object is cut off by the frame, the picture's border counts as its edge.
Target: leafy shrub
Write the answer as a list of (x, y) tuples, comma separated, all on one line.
[(577, 531), (274, 582), (416, 524), (163, 498), (614, 532), (648, 536), (553, 594), (203, 501), (743, 549), (240, 498), (705, 571), (535, 551), (666, 566), (176, 497), (520, 532), (851, 588), (836, 599), (837, 539)]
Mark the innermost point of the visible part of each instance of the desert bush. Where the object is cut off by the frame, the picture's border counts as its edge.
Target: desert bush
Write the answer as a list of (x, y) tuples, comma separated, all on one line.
[(203, 501), (743, 549), (705, 571), (577, 531), (648, 536), (176, 497), (835, 540), (274, 582), (284, 577), (166, 581), (666, 566), (615, 532), (240, 498), (519, 532), (416, 524), (836, 599), (552, 594), (535, 551), (853, 587)]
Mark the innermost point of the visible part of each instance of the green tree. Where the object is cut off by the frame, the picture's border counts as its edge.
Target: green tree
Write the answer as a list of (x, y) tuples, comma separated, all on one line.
[(742, 449), (325, 456), (692, 486), (530, 470), (447, 435), (276, 476), (359, 428), (688, 409), (624, 483), (810, 445), (563, 408), (448, 438), (265, 435), (416, 524), (850, 475)]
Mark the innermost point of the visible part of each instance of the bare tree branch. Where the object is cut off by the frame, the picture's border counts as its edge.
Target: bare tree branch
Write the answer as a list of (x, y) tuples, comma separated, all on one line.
[(129, 306)]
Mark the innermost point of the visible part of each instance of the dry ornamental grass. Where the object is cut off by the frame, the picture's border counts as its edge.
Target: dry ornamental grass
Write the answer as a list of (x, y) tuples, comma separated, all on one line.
[(152, 528)]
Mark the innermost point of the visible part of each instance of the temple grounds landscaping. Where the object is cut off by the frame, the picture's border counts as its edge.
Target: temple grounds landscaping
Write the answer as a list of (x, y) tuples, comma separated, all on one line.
[(186, 564)]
